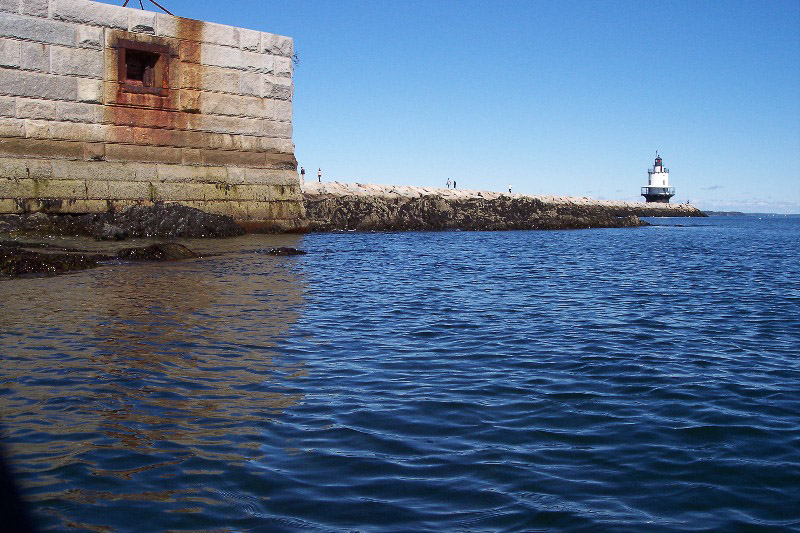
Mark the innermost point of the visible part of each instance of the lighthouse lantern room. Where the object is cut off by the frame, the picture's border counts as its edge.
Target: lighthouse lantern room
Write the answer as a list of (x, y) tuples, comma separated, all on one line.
[(658, 189)]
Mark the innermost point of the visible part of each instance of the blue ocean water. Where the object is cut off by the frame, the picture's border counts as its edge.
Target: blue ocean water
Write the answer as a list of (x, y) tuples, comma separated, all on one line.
[(643, 378)]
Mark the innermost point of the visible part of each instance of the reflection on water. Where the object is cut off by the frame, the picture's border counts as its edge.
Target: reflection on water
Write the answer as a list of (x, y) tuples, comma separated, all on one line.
[(143, 372), (446, 381)]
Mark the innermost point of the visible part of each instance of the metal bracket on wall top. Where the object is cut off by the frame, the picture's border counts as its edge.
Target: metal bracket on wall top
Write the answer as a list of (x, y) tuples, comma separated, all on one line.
[(162, 8)]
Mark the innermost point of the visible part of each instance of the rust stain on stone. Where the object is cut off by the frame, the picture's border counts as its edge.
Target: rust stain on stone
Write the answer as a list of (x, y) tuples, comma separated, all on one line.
[(158, 110)]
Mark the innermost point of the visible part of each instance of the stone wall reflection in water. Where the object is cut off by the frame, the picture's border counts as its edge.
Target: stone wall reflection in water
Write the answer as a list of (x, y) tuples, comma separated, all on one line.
[(136, 383)]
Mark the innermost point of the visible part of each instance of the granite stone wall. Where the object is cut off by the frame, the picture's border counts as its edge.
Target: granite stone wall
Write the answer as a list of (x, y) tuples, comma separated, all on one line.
[(103, 107)]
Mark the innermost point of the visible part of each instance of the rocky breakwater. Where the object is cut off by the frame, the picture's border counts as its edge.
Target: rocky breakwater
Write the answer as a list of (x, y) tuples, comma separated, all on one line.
[(355, 206)]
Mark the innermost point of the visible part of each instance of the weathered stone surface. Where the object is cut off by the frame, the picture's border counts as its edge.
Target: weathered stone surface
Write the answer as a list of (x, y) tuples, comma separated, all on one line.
[(35, 56), (88, 143), (90, 91), (142, 22), (89, 37), (76, 62), (36, 29), (9, 53), (37, 8), (10, 6), (38, 85), (8, 106), (250, 40), (10, 127), (94, 13), (42, 109), (283, 67)]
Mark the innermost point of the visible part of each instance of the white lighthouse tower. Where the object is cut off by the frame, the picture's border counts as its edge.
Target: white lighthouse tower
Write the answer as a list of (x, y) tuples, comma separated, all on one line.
[(658, 189)]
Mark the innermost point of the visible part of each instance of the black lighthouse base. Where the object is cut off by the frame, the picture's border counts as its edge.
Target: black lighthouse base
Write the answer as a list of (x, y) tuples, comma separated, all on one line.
[(659, 195)]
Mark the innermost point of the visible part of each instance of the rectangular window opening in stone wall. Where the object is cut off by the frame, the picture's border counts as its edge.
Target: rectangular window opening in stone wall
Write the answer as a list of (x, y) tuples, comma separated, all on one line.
[(143, 67)]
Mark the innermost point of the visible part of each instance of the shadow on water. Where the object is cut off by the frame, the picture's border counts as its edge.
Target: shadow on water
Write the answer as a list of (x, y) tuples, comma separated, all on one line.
[(136, 383)]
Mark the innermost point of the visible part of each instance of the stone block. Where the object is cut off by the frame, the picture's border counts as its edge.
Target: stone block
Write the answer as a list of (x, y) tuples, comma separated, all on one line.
[(189, 173), (76, 62), (250, 84), (17, 188), (100, 171), (142, 22), (146, 171), (277, 45), (166, 25), (160, 137), (89, 37), (44, 148), (191, 156), (37, 85), (11, 6), (147, 154), (219, 34), (13, 168), (12, 127), (131, 190), (250, 40), (119, 134), (190, 52), (90, 91), (283, 66), (36, 109), (190, 101), (232, 157), (223, 124), (97, 189), (65, 189), (37, 129), (207, 78), (283, 111), (277, 87), (76, 131), (261, 63), (226, 104), (79, 112), (94, 151), (9, 53), (38, 168), (282, 130), (8, 106), (37, 8), (39, 30), (35, 56), (93, 13), (221, 56)]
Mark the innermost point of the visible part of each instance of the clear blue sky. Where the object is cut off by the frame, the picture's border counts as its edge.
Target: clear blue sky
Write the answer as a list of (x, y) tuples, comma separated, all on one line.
[(566, 98)]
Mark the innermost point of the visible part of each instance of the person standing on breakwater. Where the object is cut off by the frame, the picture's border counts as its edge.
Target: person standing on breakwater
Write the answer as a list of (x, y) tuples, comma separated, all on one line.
[(509, 188), (319, 175), (448, 183), (302, 175), (454, 184)]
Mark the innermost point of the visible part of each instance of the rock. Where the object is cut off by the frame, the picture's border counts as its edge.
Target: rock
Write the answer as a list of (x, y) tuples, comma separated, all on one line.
[(175, 220), (17, 259), (285, 250), (110, 232), (168, 251), (159, 220)]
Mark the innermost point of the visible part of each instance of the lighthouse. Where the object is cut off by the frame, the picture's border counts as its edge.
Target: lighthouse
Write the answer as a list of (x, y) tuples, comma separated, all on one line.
[(658, 189)]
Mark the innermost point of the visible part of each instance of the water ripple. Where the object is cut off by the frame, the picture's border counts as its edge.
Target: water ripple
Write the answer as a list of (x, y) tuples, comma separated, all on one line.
[(608, 379)]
